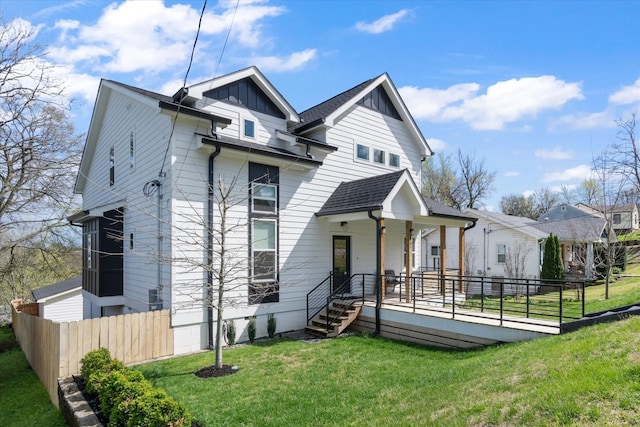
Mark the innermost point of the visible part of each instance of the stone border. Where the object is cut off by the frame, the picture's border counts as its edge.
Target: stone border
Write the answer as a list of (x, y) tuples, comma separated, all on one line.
[(74, 407)]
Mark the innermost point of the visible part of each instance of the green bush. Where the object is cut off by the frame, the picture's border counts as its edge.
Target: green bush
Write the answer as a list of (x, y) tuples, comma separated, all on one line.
[(96, 365), (231, 332), (251, 329), (118, 386), (94, 361), (271, 325), (151, 409)]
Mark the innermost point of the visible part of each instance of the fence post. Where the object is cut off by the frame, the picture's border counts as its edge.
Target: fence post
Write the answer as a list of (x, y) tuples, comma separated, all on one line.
[(584, 296), (482, 294), (501, 302), (561, 303), (527, 284)]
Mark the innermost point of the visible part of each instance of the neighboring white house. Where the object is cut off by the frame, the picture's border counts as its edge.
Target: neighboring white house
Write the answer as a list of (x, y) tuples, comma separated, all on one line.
[(61, 301), (497, 241), (488, 244), (329, 190)]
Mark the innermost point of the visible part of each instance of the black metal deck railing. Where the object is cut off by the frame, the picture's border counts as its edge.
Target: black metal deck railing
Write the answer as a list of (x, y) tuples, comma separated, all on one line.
[(527, 301), (530, 299)]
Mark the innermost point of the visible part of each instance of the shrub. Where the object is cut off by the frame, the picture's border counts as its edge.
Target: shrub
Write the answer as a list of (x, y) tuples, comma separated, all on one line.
[(94, 361), (231, 332), (151, 409), (118, 386), (251, 329), (271, 325)]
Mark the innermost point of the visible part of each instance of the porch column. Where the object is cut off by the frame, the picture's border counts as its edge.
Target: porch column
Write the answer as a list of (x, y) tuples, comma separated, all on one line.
[(588, 265), (443, 256), (461, 258), (408, 258), (383, 231)]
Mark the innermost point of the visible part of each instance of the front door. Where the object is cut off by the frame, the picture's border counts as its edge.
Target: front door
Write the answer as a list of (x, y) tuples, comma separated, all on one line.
[(341, 265)]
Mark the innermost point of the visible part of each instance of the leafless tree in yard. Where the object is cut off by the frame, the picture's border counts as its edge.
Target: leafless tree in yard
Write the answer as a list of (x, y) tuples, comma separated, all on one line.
[(515, 264), (39, 155)]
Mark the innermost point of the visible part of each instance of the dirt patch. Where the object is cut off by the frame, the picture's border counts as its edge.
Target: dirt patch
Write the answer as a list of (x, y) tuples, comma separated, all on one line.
[(213, 372)]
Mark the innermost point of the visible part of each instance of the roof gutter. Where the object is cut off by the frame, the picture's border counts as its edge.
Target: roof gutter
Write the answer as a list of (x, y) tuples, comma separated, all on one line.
[(210, 201)]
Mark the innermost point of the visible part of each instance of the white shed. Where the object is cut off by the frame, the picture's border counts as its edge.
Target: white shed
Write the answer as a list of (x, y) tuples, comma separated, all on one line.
[(60, 302)]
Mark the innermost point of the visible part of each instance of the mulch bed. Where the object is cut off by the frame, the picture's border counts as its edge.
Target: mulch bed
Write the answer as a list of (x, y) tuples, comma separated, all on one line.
[(212, 371)]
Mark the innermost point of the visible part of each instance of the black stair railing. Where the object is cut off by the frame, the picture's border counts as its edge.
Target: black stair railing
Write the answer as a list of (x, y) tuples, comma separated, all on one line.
[(322, 297)]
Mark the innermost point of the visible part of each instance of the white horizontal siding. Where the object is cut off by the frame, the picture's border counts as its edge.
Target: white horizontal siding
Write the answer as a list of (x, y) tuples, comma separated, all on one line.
[(63, 308)]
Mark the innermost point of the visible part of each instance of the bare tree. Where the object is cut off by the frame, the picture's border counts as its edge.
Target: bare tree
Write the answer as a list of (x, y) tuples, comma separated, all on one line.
[(624, 155), (533, 206), (464, 184), (515, 264), (476, 180), (517, 205), (39, 153), (439, 180)]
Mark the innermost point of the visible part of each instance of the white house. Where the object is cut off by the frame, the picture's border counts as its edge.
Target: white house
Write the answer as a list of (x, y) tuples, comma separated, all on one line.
[(325, 193), (61, 301), (622, 217), (501, 246), (489, 245)]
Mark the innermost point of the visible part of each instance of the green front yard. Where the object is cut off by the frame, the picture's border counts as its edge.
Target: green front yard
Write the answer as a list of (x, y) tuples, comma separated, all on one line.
[(587, 378)]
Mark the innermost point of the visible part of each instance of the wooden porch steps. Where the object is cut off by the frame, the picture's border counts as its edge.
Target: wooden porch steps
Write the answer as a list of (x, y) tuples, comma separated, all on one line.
[(343, 313)]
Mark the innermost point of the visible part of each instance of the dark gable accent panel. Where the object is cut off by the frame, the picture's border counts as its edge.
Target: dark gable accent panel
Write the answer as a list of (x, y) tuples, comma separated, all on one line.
[(378, 100), (246, 92)]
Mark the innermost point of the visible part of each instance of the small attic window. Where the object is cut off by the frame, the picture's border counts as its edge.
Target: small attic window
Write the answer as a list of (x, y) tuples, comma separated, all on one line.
[(249, 128)]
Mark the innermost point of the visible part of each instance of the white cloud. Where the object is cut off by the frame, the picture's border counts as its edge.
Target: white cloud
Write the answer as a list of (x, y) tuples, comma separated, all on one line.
[(555, 154), (383, 24), (436, 144), (151, 37), (527, 193), (626, 95), (294, 61), (603, 119), (561, 188), (511, 173), (580, 172), (504, 102)]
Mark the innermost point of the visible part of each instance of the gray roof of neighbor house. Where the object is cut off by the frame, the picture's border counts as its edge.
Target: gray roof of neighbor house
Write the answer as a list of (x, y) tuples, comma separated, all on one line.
[(584, 229), (315, 115), (520, 223), (360, 195), (57, 288), (568, 212)]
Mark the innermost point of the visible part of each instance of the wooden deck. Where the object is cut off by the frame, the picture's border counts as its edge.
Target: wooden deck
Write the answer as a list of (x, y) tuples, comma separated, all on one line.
[(432, 324)]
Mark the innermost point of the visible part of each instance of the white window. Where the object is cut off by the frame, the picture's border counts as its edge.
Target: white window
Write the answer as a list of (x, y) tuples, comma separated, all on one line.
[(502, 253), (379, 156), (362, 152), (263, 198), (132, 153), (394, 160), (249, 128), (264, 246)]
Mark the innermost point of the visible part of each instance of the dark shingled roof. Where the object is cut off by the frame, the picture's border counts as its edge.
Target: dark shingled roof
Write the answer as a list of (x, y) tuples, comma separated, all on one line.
[(360, 195), (324, 109), (438, 209), (57, 288)]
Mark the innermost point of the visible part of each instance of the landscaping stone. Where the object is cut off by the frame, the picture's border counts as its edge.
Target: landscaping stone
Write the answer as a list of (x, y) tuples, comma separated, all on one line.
[(74, 407)]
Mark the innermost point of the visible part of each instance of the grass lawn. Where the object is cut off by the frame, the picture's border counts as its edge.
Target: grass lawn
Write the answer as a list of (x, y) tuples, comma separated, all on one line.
[(587, 378), (23, 399)]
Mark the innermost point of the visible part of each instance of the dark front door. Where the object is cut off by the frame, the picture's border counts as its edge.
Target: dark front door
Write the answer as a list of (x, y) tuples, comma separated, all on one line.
[(341, 264)]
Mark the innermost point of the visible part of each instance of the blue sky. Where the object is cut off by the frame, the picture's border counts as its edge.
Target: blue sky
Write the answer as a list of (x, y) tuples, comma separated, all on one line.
[(532, 87)]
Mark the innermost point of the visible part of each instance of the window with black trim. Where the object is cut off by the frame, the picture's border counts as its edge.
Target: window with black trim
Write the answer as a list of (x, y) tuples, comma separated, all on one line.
[(263, 234), (617, 218), (112, 166), (132, 153)]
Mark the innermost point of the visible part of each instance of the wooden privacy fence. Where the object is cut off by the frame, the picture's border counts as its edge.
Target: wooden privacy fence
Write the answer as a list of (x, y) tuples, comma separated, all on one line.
[(54, 350)]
